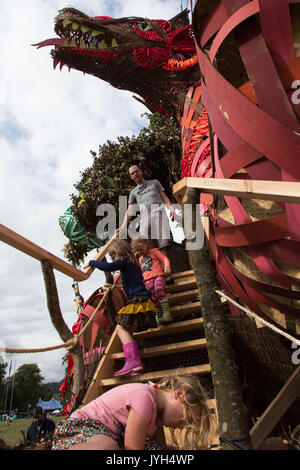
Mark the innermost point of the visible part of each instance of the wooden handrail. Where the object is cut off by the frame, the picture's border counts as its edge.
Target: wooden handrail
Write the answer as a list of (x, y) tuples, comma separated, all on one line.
[(21, 243), (100, 255), (281, 191)]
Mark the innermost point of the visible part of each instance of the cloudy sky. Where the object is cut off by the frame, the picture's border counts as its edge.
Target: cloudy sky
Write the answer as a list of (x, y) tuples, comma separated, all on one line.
[(49, 122)]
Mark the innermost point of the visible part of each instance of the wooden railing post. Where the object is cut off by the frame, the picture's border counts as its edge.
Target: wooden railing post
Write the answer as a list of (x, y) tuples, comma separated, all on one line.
[(233, 422)]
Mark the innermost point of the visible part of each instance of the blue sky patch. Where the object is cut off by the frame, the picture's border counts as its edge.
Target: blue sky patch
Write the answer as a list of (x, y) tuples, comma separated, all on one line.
[(12, 133)]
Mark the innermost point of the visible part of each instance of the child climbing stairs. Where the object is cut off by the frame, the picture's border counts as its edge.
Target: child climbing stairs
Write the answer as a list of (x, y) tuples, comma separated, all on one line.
[(176, 348)]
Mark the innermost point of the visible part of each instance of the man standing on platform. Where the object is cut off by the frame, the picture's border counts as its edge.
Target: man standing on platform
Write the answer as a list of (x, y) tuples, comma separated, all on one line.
[(40, 427), (151, 199)]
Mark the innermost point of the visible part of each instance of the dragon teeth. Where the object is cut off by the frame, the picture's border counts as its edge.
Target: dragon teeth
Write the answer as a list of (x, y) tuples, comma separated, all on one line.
[(66, 22), (91, 38), (102, 45), (85, 29), (94, 44)]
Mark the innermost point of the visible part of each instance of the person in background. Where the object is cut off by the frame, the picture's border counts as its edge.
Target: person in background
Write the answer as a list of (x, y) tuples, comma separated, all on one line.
[(40, 427), (29, 411)]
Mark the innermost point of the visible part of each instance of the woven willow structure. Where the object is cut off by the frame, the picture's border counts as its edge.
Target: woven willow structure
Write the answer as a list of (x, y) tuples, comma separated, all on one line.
[(248, 71)]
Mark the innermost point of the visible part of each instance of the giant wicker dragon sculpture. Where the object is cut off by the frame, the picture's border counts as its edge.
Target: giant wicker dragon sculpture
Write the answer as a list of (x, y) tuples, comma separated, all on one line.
[(232, 61)]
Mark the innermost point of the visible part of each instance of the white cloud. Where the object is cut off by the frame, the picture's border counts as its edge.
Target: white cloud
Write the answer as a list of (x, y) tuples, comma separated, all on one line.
[(49, 122)]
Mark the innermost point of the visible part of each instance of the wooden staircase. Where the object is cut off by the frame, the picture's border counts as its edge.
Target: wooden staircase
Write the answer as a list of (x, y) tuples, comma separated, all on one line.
[(177, 348)]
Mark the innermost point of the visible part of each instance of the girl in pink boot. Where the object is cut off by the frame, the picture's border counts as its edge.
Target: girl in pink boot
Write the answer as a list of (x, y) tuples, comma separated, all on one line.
[(139, 312)]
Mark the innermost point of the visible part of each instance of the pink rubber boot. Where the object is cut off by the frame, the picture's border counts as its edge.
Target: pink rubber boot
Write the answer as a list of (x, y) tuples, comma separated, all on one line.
[(133, 362)]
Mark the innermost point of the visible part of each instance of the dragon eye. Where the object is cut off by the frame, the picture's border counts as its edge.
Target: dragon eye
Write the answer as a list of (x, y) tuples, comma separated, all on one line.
[(144, 26)]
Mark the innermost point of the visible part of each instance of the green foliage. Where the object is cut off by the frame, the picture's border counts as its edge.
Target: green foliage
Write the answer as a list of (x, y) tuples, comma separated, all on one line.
[(74, 252), (157, 150), (28, 387), (3, 366)]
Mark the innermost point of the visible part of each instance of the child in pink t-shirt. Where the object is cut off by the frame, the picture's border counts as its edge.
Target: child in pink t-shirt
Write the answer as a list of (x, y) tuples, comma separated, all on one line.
[(151, 261), (126, 416)]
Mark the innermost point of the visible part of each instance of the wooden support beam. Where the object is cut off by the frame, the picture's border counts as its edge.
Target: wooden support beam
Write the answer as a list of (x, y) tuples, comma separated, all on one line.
[(280, 191), (29, 248), (276, 410)]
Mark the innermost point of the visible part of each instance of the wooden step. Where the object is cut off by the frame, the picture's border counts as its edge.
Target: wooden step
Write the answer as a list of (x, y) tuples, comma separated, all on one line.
[(182, 284), (185, 296), (171, 329), (166, 349), (186, 309), (154, 376)]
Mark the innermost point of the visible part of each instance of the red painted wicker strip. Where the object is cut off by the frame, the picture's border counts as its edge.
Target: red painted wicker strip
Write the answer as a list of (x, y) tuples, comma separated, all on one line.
[(257, 125)]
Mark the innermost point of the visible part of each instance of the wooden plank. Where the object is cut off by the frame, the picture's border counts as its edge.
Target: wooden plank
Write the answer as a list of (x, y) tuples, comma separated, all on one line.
[(281, 191), (171, 329), (183, 274), (99, 256), (179, 189), (153, 376), (181, 285), (15, 240), (186, 309), (21, 243), (276, 410), (165, 349)]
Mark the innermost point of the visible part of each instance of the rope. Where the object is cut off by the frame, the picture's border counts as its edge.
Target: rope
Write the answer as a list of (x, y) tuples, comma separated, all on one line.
[(107, 288), (234, 443), (71, 343), (257, 317)]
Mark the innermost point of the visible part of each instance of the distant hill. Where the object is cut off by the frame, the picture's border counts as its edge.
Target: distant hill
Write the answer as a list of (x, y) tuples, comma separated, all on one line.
[(54, 386)]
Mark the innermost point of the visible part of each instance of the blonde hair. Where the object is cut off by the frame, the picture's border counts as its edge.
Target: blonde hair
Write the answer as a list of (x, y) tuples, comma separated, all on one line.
[(138, 243), (196, 428), (123, 250)]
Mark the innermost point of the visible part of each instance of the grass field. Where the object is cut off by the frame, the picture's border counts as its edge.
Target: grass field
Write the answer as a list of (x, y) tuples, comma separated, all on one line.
[(11, 433)]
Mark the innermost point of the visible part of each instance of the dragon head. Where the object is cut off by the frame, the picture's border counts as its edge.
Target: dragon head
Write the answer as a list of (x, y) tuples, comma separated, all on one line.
[(156, 59)]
